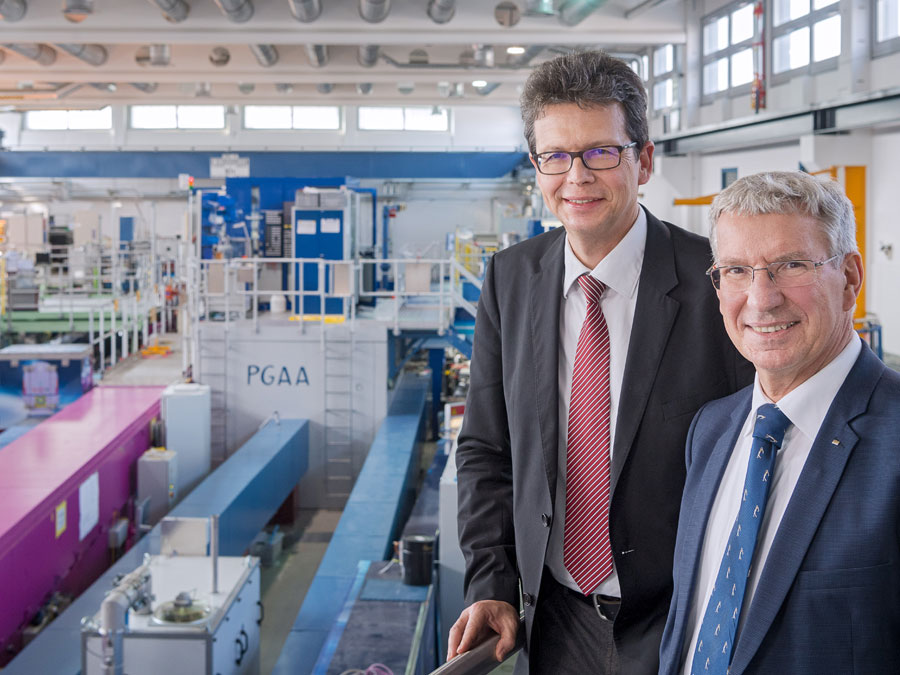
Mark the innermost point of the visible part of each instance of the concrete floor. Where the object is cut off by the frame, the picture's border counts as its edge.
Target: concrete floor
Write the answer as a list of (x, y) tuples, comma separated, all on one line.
[(139, 370)]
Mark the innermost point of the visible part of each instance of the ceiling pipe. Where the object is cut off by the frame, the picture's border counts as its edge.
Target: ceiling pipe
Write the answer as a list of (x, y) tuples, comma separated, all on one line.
[(441, 11), (364, 88), (374, 11), (146, 87), (305, 10), (487, 89), (12, 10), (573, 12), (318, 55), (104, 86), (2, 56), (367, 56), (77, 11), (266, 55), (160, 55), (237, 11), (175, 11), (324, 87), (43, 54), (94, 55), (525, 57)]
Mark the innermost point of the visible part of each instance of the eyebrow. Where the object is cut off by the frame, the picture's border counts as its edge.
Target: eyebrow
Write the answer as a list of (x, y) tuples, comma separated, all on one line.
[(590, 146), (786, 257)]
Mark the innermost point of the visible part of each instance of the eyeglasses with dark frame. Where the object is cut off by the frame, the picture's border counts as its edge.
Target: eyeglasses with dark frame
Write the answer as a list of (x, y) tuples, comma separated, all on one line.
[(596, 159), (784, 274)]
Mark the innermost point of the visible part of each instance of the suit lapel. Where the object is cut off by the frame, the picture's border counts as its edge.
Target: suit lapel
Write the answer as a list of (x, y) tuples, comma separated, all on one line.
[(546, 294), (694, 529), (653, 318), (820, 476)]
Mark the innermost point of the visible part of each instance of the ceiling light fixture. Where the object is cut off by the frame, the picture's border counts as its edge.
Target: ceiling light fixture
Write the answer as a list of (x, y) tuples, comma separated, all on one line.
[(479, 83), (515, 50)]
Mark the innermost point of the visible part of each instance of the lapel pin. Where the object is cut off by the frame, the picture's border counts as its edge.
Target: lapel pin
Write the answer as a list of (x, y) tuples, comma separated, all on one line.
[(835, 442)]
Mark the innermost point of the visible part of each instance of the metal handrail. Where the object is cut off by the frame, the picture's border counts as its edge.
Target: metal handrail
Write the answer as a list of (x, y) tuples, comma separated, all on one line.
[(480, 660)]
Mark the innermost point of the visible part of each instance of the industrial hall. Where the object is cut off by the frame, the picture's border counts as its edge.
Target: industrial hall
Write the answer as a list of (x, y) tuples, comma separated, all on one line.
[(449, 337)]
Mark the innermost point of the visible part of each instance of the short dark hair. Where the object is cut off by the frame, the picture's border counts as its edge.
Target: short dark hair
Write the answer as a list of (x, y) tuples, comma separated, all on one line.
[(588, 78)]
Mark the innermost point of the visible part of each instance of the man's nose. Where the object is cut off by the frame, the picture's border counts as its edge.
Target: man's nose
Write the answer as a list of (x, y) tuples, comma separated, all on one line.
[(763, 293), (579, 173)]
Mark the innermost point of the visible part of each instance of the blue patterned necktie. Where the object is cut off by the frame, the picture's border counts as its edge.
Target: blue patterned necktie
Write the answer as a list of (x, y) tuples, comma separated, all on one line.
[(715, 642)]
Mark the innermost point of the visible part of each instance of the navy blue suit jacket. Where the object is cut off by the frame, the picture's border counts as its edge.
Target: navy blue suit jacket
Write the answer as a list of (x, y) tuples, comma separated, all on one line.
[(828, 599)]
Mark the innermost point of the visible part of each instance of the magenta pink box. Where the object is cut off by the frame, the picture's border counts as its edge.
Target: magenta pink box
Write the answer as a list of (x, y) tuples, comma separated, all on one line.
[(62, 485)]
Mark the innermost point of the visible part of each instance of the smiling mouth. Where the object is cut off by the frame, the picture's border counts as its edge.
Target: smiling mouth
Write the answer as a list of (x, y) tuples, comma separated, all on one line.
[(581, 201), (774, 329)]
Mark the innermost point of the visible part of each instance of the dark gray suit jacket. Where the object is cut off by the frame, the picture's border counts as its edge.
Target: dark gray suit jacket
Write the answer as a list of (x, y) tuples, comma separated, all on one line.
[(679, 357), (828, 599)]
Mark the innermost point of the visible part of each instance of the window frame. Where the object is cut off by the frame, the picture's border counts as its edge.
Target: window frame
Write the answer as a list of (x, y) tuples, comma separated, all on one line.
[(808, 20), (726, 52), (68, 127), (885, 47), (652, 80), (178, 126), (405, 130), (293, 114)]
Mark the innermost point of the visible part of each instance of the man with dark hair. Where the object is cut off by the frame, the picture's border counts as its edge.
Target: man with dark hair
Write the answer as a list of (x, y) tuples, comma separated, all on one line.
[(787, 556), (595, 344)]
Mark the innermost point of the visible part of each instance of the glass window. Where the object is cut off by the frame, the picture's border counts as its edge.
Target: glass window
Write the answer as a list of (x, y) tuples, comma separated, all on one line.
[(790, 50), (788, 10), (715, 76), (663, 94), (91, 119), (715, 35), (153, 117), (742, 67), (742, 24), (827, 38), (645, 65), (887, 20), (426, 119), (380, 119), (819, 4), (46, 120), (663, 60), (201, 117), (267, 117), (317, 117)]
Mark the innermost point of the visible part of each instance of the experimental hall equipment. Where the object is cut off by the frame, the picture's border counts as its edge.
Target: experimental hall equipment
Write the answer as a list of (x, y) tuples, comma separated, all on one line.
[(179, 614)]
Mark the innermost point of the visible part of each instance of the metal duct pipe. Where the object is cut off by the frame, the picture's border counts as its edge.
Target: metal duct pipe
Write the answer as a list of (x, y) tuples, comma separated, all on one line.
[(524, 58), (146, 87), (441, 11), (324, 87), (2, 56), (237, 11), (573, 12), (374, 11), (487, 89), (318, 55), (43, 54), (104, 86), (266, 55), (364, 88), (160, 55), (77, 11), (368, 55), (94, 55), (305, 10), (175, 11), (12, 10)]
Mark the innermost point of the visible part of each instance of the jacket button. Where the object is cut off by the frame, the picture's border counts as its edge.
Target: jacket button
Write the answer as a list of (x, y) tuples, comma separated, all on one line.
[(545, 519), (528, 599)]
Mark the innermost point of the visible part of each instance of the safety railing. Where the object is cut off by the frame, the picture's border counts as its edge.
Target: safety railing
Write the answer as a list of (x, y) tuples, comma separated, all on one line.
[(480, 660)]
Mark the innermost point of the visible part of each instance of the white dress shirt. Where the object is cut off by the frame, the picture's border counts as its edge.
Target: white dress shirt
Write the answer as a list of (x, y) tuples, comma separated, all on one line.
[(806, 407), (620, 270)]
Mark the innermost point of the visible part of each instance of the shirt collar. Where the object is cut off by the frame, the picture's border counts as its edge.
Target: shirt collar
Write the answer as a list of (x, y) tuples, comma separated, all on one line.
[(807, 405), (620, 270)]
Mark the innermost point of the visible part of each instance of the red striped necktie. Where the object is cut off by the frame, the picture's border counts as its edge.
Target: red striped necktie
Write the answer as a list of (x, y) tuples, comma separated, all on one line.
[(587, 554)]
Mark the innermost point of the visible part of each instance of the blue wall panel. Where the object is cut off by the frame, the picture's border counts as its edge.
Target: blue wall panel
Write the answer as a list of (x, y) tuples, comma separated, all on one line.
[(163, 164)]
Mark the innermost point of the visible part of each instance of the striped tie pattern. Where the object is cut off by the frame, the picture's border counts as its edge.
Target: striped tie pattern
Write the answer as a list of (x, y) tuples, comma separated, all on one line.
[(715, 641), (587, 554)]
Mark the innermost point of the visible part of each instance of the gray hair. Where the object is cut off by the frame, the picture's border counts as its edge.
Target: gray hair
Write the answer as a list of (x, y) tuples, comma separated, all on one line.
[(588, 79), (790, 193)]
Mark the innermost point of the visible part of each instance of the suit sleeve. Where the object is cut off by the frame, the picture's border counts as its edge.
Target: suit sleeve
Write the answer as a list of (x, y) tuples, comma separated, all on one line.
[(484, 464)]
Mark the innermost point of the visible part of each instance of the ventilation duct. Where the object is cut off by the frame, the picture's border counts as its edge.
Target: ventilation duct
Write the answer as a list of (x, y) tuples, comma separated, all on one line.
[(237, 11), (441, 11), (374, 11), (305, 10), (364, 88), (12, 10), (94, 55), (2, 56), (104, 86), (284, 88), (573, 12), (246, 87), (318, 55), (524, 58), (219, 56), (367, 55), (43, 54), (539, 8), (77, 11), (175, 11), (266, 55), (324, 87), (160, 55), (146, 87), (203, 89)]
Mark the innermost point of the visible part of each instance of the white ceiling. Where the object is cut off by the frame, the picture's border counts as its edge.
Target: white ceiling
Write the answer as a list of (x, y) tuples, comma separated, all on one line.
[(125, 28)]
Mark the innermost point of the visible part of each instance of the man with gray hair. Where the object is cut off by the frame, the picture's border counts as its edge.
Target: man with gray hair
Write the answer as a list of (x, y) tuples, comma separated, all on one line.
[(788, 551), (595, 343)]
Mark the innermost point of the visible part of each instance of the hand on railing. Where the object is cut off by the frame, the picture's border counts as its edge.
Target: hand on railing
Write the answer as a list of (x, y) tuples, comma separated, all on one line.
[(485, 634)]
